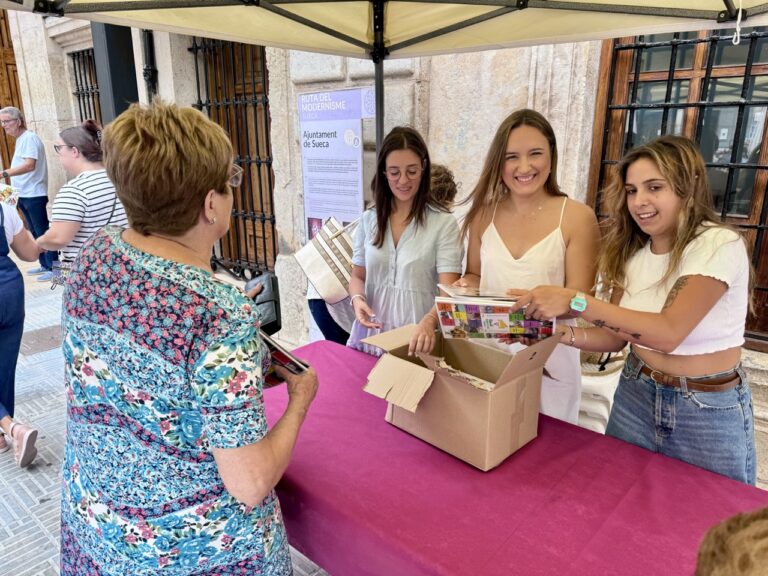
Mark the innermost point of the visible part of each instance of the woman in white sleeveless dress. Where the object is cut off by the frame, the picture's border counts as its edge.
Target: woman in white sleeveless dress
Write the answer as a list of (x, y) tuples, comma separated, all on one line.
[(524, 232)]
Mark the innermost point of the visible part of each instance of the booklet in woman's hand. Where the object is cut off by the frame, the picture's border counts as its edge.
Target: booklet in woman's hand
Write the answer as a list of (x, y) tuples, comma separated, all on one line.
[(488, 318), (280, 357)]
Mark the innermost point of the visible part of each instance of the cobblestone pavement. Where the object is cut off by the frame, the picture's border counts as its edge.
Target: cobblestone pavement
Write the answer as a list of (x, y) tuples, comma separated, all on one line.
[(29, 506)]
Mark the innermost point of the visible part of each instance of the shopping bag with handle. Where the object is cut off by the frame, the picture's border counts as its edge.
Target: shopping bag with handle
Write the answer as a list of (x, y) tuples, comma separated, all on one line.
[(327, 260)]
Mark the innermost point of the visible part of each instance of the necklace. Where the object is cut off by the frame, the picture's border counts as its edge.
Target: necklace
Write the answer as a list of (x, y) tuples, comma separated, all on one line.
[(532, 214)]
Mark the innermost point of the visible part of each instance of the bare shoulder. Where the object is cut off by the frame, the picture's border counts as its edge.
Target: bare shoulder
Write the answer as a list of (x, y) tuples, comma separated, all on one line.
[(578, 217), (481, 221)]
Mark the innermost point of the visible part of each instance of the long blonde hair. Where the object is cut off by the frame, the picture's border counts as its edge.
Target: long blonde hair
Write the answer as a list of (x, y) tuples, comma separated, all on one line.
[(490, 187), (681, 164)]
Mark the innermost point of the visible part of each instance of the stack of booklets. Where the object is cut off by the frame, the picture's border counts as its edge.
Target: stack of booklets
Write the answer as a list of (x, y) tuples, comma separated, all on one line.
[(469, 313)]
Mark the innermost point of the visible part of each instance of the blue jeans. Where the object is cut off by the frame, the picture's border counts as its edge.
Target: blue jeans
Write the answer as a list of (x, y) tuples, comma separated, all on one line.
[(712, 430), (11, 331), (37, 220), (331, 331)]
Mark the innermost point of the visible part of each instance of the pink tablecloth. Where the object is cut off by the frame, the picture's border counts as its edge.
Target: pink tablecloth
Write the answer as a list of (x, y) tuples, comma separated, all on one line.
[(362, 497)]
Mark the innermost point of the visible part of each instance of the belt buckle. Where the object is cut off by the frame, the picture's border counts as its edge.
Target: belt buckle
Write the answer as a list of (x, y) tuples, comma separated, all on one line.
[(660, 379)]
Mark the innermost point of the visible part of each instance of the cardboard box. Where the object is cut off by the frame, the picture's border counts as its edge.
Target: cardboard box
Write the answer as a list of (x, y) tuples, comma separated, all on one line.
[(438, 404)]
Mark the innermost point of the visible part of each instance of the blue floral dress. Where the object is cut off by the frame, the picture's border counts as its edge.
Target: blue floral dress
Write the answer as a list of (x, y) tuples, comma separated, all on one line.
[(162, 364)]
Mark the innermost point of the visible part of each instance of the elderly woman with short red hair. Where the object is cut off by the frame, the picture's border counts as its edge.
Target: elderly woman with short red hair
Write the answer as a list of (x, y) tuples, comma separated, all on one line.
[(169, 465)]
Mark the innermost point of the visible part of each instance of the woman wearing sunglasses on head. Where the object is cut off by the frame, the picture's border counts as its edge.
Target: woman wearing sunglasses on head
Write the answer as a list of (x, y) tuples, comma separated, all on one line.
[(403, 246)]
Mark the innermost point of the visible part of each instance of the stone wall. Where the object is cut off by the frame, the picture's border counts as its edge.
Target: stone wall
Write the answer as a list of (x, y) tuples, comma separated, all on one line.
[(756, 365)]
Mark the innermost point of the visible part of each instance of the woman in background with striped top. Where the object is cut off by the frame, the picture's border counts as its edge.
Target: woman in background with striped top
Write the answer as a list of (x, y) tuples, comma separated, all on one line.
[(88, 201)]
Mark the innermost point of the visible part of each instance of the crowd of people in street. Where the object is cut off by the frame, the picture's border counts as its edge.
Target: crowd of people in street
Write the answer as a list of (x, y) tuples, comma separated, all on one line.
[(169, 462)]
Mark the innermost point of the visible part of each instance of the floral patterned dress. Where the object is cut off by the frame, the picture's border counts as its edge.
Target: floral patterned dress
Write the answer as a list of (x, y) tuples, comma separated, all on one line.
[(162, 364)]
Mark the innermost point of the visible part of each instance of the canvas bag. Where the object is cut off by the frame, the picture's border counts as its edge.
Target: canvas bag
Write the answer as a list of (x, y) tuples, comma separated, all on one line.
[(327, 260)]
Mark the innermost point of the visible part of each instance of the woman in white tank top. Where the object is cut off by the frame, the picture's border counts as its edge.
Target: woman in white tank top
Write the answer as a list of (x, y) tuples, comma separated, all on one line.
[(524, 232)]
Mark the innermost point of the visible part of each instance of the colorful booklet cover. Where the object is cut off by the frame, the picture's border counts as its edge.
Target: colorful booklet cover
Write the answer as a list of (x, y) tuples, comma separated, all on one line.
[(488, 318), (282, 357)]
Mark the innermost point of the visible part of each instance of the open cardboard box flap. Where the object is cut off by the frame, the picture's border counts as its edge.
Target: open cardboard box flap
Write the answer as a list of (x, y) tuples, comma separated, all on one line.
[(528, 359), (393, 339), (399, 381)]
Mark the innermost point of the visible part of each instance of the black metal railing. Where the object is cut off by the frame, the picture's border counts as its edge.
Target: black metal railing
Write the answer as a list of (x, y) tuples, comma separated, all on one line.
[(86, 91), (655, 101), (232, 90)]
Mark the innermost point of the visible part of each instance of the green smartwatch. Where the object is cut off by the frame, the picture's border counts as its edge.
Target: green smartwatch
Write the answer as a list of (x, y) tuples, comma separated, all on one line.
[(579, 303)]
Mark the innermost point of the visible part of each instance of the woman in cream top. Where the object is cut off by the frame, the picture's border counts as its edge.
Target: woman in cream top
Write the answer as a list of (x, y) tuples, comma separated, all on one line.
[(680, 296)]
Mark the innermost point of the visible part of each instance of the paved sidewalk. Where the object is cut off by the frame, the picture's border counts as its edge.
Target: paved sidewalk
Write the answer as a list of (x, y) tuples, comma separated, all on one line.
[(29, 506)]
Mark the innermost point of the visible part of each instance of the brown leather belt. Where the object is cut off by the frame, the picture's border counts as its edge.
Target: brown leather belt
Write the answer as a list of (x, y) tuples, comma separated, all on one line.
[(719, 384)]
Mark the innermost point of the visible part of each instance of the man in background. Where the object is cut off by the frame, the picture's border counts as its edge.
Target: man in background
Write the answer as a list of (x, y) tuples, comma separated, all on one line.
[(29, 173)]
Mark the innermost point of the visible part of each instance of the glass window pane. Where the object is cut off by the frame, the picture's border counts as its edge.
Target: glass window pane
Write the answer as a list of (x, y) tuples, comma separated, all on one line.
[(761, 51), (717, 128), (657, 58), (742, 186), (726, 54), (751, 134), (656, 92), (725, 89), (646, 123)]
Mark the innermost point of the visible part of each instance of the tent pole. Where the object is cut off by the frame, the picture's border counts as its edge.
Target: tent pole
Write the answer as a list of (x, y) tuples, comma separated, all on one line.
[(379, 90), (378, 54)]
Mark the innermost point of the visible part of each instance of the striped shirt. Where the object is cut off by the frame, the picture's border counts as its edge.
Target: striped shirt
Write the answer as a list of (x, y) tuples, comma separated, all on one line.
[(88, 198)]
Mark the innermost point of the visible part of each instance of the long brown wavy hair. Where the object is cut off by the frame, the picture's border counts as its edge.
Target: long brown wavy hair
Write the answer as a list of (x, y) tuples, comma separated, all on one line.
[(681, 164), (399, 138), (490, 188)]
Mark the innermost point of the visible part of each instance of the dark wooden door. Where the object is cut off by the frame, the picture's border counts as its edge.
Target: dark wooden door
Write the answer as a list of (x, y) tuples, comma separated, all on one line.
[(9, 85)]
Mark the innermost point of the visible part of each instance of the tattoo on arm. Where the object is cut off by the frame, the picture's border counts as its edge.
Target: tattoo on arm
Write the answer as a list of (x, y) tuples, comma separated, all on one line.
[(602, 324), (679, 285)]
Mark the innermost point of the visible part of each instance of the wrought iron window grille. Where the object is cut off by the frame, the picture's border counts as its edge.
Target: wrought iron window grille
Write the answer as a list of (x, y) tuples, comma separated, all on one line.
[(86, 91), (232, 90)]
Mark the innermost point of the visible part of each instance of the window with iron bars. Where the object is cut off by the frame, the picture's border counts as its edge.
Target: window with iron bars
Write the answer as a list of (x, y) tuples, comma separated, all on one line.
[(232, 90), (700, 85), (86, 86)]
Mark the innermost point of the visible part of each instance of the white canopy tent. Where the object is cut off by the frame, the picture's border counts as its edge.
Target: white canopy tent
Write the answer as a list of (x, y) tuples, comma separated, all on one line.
[(379, 29)]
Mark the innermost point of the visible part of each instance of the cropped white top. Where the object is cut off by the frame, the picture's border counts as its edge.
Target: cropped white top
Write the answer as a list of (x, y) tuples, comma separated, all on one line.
[(718, 253)]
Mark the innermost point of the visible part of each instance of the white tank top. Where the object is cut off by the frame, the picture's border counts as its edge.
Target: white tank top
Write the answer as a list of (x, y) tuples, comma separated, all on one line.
[(542, 263)]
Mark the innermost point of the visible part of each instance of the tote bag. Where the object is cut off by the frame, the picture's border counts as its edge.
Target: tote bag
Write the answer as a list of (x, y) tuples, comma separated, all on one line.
[(327, 260)]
